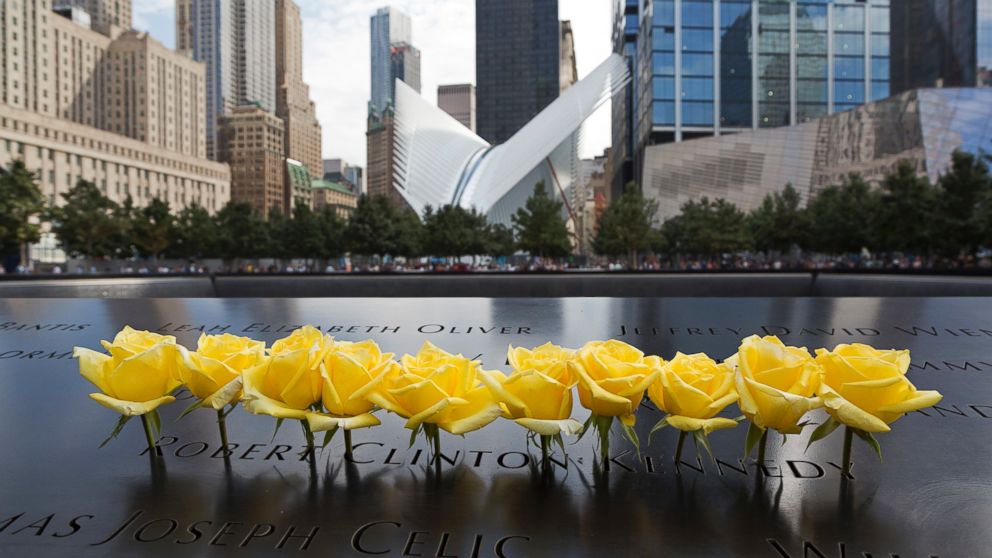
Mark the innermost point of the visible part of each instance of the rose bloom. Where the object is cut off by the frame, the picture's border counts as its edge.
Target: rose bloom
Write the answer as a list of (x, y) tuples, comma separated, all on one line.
[(346, 369), (434, 387), (866, 388), (692, 389), (612, 378), (139, 374), (287, 382), (776, 383), (538, 394), (213, 372)]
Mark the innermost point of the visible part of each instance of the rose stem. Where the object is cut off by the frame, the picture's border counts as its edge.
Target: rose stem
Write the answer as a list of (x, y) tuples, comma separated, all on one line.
[(307, 433), (761, 447), (148, 434), (848, 436), (604, 424), (545, 442), (347, 443), (678, 448), (222, 425)]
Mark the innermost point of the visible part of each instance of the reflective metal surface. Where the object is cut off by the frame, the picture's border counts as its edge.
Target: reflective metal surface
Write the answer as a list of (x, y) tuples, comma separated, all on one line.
[(61, 496)]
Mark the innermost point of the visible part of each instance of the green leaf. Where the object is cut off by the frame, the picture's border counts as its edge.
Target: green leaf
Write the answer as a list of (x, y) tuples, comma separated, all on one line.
[(658, 426), (190, 409), (701, 440), (328, 436), (870, 440), (632, 436), (823, 431), (117, 429), (585, 428), (561, 443), (754, 434), (413, 435), (278, 424)]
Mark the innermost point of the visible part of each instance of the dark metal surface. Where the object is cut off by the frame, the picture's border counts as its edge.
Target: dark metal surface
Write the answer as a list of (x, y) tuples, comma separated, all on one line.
[(503, 285), (61, 496)]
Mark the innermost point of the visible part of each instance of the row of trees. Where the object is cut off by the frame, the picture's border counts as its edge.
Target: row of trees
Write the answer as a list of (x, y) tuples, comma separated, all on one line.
[(91, 225), (905, 214)]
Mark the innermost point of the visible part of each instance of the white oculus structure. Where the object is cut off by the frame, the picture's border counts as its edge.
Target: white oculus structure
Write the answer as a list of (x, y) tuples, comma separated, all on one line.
[(439, 161)]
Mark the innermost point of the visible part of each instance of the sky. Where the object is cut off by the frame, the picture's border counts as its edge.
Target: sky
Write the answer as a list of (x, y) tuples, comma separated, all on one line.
[(336, 57)]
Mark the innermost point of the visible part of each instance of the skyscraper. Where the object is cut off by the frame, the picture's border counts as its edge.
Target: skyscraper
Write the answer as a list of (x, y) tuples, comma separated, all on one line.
[(109, 17), (945, 43), (458, 101), (517, 63), (250, 139), (405, 61), (704, 68), (568, 72), (236, 40), (389, 27), (293, 104)]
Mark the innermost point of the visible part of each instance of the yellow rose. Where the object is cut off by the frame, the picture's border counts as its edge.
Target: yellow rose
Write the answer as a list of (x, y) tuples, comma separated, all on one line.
[(344, 370), (538, 394), (866, 388), (287, 382), (138, 375), (776, 383), (434, 387), (612, 378), (692, 389), (213, 372)]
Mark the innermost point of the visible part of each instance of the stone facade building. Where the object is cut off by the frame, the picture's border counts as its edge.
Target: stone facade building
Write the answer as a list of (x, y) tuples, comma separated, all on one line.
[(251, 141)]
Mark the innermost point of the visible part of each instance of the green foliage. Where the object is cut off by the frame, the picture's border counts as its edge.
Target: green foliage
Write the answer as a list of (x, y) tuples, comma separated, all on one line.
[(779, 222), (88, 224), (154, 229), (331, 230), (706, 228), (20, 200), (964, 206), (842, 217), (539, 227), (195, 234), (303, 236), (454, 231), (378, 228), (905, 212), (626, 226), (242, 232), (499, 241)]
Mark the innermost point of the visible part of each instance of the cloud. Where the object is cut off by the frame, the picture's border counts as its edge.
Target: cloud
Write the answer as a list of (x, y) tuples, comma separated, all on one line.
[(336, 61)]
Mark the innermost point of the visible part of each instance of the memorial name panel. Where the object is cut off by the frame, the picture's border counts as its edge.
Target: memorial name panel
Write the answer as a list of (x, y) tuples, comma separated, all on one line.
[(265, 495)]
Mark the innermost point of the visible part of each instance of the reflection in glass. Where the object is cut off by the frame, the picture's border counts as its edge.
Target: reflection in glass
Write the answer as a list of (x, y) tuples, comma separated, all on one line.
[(735, 64)]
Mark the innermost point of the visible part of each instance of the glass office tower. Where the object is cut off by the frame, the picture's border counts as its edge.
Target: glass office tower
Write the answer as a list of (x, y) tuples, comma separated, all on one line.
[(709, 67), (941, 43), (517, 63)]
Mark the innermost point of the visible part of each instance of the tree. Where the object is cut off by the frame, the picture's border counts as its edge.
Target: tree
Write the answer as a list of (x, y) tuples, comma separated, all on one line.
[(195, 234), (370, 226), (331, 229), (87, 225), (962, 202), (626, 226), (539, 228), (241, 232), (842, 217), (905, 211), (499, 241), (122, 244), (454, 231), (706, 228), (406, 235), (20, 201), (779, 222), (278, 241), (303, 234), (153, 230)]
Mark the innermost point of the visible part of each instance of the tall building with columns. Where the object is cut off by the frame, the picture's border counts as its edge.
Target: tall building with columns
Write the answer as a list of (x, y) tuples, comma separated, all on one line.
[(299, 114)]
